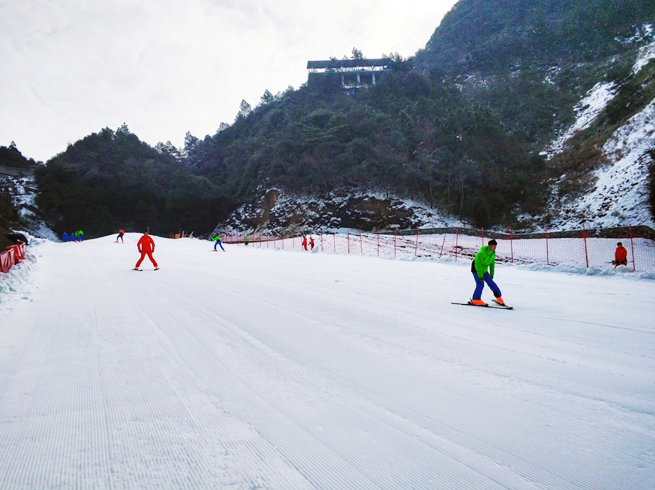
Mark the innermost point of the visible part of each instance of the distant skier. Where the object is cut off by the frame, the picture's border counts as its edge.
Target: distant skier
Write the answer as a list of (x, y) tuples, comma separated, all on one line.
[(304, 243), (246, 240), (217, 241), (146, 246), (311, 242), (483, 261), (121, 233), (620, 255), (64, 237), (80, 236)]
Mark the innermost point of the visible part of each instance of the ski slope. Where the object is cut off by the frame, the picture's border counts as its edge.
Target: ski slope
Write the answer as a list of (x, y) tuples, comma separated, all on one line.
[(263, 369)]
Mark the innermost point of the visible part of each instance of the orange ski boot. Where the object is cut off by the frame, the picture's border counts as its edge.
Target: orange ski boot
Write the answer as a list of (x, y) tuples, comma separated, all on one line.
[(478, 302)]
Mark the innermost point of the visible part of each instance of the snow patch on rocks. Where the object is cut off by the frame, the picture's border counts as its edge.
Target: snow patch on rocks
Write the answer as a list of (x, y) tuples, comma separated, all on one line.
[(587, 110), (620, 194), (646, 53)]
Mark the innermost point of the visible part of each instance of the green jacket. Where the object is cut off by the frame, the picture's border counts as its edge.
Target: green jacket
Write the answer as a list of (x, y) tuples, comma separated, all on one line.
[(217, 238), (485, 259)]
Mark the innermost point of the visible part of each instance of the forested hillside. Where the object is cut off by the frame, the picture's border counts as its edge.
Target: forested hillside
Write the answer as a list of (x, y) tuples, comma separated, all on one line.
[(461, 127), (111, 180)]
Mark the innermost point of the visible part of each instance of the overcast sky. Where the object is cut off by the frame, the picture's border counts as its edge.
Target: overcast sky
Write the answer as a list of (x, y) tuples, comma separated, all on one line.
[(71, 67)]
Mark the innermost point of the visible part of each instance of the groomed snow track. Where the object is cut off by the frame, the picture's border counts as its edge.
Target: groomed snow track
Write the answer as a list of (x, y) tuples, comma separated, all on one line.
[(262, 369)]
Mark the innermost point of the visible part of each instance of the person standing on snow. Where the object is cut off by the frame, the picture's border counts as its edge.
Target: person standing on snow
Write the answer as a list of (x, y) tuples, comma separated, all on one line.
[(80, 236), (485, 260), (311, 242), (246, 240), (217, 241), (146, 246), (64, 237), (120, 235), (304, 243)]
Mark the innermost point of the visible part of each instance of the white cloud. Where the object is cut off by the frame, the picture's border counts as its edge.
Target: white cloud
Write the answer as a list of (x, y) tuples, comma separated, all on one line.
[(72, 67)]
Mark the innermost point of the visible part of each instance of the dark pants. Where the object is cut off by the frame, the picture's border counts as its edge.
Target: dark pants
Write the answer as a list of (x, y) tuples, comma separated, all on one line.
[(479, 286), (218, 242)]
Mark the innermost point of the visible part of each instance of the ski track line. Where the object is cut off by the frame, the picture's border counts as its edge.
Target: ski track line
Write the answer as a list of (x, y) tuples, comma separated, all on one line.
[(351, 482), (188, 412), (448, 454), (255, 451), (529, 381), (411, 313), (427, 464), (553, 475)]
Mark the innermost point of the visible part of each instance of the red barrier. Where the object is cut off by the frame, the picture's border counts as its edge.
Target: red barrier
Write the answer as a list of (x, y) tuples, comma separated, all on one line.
[(6, 260)]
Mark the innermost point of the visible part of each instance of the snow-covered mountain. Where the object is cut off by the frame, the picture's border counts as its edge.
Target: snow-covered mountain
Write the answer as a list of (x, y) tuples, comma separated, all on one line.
[(618, 193)]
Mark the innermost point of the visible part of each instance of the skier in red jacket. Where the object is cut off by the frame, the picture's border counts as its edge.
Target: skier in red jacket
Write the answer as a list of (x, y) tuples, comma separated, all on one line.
[(146, 246), (304, 243)]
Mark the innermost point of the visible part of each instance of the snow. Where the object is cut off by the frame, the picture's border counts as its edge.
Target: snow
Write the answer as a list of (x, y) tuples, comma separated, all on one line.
[(645, 53), (259, 368), (587, 110), (620, 195)]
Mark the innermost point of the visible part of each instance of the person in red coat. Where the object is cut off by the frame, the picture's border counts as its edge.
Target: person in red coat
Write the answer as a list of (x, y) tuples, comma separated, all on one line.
[(304, 243), (620, 255), (146, 246), (311, 242)]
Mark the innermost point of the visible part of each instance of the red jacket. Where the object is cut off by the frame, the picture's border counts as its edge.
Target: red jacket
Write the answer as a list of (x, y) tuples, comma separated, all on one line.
[(146, 244), (621, 254)]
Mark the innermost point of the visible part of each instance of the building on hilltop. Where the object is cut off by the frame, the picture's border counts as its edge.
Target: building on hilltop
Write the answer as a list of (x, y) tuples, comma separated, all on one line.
[(352, 74)]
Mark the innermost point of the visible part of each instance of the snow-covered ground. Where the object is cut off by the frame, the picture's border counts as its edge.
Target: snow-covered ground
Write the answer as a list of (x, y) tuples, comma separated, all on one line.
[(257, 368)]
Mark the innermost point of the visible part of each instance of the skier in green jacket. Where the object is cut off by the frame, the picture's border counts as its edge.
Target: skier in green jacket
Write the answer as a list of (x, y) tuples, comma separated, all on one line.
[(217, 241), (485, 260)]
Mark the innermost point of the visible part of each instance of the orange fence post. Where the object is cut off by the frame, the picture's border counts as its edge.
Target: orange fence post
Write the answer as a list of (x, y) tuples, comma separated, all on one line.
[(378, 241), (442, 244), (632, 247), (395, 234), (361, 247), (548, 251), (456, 241), (584, 238), (416, 246), (511, 244)]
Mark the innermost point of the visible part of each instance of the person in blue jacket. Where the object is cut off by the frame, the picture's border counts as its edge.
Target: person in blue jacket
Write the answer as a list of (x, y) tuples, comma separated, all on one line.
[(64, 237)]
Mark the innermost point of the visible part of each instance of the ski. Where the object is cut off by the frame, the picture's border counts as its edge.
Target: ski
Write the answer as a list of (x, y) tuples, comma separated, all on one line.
[(486, 306), (503, 305)]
